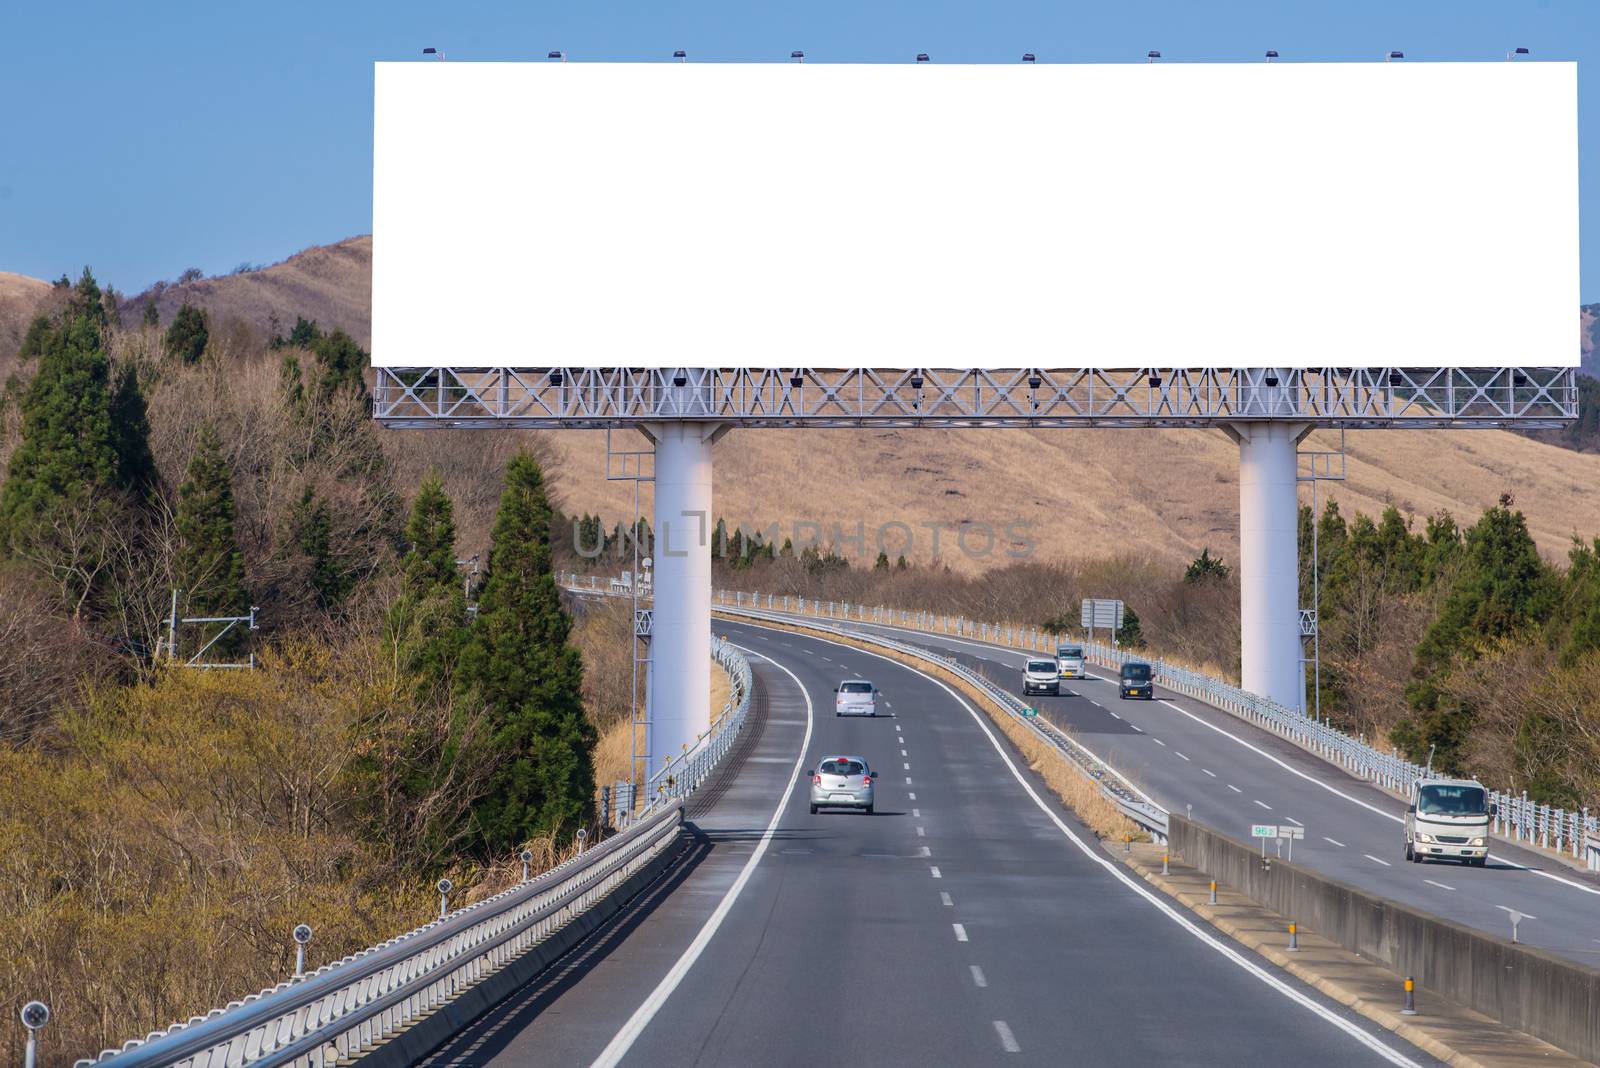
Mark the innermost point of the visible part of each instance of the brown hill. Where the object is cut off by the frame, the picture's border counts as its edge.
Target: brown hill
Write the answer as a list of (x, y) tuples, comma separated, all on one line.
[(19, 296), (1162, 494), (331, 284)]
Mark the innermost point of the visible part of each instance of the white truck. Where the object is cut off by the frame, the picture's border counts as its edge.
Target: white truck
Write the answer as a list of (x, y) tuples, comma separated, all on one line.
[(1448, 819)]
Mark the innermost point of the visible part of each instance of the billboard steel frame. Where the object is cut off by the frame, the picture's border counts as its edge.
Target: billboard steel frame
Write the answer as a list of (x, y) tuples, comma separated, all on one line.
[(587, 397)]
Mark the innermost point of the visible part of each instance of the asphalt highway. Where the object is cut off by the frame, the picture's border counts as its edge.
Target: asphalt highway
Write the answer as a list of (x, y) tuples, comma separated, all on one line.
[(970, 919), (1186, 753)]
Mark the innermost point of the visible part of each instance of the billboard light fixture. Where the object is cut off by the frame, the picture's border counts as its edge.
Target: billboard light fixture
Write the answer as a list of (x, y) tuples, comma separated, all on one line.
[(1515, 52), (1272, 54), (1027, 57), (1394, 55), (562, 56), (1151, 56), (680, 55), (922, 57), (797, 56), (433, 52)]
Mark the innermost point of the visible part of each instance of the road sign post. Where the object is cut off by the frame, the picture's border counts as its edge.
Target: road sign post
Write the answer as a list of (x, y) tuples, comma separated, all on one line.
[(1104, 614), (1290, 833)]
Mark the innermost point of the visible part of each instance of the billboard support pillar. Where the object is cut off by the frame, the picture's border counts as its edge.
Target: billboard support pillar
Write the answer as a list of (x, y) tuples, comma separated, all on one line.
[(680, 681), (1269, 561)]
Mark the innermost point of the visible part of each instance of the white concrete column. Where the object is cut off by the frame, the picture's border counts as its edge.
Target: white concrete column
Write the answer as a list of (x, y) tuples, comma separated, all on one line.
[(680, 645), (1269, 565)]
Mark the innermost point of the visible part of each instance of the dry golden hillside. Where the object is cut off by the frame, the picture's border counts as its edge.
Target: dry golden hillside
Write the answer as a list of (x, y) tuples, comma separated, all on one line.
[(1165, 494), (19, 295)]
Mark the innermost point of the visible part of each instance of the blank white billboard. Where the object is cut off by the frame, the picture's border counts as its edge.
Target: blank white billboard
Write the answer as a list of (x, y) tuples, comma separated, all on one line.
[(785, 215)]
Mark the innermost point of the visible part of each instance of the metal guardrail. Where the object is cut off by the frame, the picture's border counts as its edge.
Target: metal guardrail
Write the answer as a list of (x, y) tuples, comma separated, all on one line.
[(350, 1006), (1518, 818), (1128, 798)]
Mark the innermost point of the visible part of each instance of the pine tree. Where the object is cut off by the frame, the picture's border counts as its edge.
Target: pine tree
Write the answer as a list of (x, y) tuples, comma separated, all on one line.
[(209, 565), (312, 525), (152, 314), (900, 564), (428, 621), (882, 562), (1207, 568), (130, 431), (341, 363), (68, 455), (188, 335), (519, 668), (1130, 635)]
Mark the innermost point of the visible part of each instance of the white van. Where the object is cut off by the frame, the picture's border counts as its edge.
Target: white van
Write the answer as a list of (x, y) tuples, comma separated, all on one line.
[(1070, 662)]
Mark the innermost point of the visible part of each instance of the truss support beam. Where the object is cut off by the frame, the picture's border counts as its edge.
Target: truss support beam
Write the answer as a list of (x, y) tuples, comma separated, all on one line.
[(680, 640), (1511, 397), (1269, 561)]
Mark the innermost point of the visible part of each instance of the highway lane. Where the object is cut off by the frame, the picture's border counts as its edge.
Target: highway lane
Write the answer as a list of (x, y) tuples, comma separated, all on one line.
[(1184, 752), (958, 924)]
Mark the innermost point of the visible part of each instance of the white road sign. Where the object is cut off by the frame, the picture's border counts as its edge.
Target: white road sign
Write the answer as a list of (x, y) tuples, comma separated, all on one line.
[(1291, 832)]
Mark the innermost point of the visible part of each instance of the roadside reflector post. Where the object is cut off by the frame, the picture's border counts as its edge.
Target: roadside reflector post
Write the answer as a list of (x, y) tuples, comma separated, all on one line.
[(1213, 891), (1163, 862), (1410, 1007), (1127, 843), (1294, 939)]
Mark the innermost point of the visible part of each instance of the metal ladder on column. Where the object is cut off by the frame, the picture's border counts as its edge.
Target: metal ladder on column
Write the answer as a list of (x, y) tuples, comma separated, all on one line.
[(1315, 466), (636, 466)]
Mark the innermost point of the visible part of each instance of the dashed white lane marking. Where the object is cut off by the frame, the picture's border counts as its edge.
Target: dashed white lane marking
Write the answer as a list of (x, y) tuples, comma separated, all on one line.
[(1377, 860), (1180, 754), (978, 979), (1158, 741), (1008, 1041), (902, 752), (1263, 804), (900, 739), (1234, 788), (926, 852), (921, 833), (912, 796), (944, 899), (961, 932), (1441, 886), (916, 813), (1294, 821), (1209, 772), (1137, 727), (908, 780), (933, 869), (624, 1039), (1115, 716), (1388, 1053), (1333, 841), (829, 659), (906, 767)]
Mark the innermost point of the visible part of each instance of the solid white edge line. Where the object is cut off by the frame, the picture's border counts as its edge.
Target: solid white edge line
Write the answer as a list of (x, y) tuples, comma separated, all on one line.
[(1389, 1054), (624, 1039)]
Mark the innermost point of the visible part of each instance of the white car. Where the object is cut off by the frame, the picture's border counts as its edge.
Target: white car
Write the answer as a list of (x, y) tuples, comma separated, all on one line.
[(1039, 676), (855, 697)]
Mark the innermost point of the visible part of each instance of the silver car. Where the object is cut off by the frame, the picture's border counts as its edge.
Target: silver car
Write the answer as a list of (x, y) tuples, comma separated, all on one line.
[(842, 782), (855, 697)]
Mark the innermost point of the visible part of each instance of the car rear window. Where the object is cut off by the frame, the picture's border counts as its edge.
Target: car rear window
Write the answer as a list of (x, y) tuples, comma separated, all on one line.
[(856, 687), (843, 767), (1137, 672), (1041, 665)]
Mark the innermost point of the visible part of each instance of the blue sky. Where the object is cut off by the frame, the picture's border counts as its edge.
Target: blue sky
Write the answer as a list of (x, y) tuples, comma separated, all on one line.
[(147, 138)]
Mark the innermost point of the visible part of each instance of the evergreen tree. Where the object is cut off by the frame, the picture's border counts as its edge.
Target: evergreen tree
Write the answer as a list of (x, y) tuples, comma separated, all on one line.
[(68, 455), (1130, 635), (787, 552), (428, 621), (209, 566), (1503, 590), (1582, 603), (188, 335), (152, 314), (312, 525), (1207, 568), (130, 431), (882, 562), (341, 365), (719, 541), (736, 550), (521, 670), (900, 564)]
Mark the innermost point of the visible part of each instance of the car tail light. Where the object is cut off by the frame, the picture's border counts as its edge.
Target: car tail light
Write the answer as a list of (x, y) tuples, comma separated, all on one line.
[(866, 780), (816, 778)]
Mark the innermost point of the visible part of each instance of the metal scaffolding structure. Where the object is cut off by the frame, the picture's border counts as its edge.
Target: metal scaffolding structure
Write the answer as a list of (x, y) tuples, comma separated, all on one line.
[(1509, 397)]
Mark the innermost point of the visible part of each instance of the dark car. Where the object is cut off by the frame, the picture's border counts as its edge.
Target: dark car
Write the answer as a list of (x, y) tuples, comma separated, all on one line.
[(1136, 679)]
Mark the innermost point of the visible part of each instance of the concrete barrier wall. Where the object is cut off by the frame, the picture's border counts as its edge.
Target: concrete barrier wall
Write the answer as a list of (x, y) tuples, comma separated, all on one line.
[(1528, 989)]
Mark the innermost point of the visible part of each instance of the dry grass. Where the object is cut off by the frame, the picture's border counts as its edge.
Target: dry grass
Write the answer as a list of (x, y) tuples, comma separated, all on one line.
[(613, 755), (1063, 778)]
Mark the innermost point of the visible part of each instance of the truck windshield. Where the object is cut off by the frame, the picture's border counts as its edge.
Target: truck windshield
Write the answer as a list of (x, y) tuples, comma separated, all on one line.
[(1070, 652), (1452, 801)]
